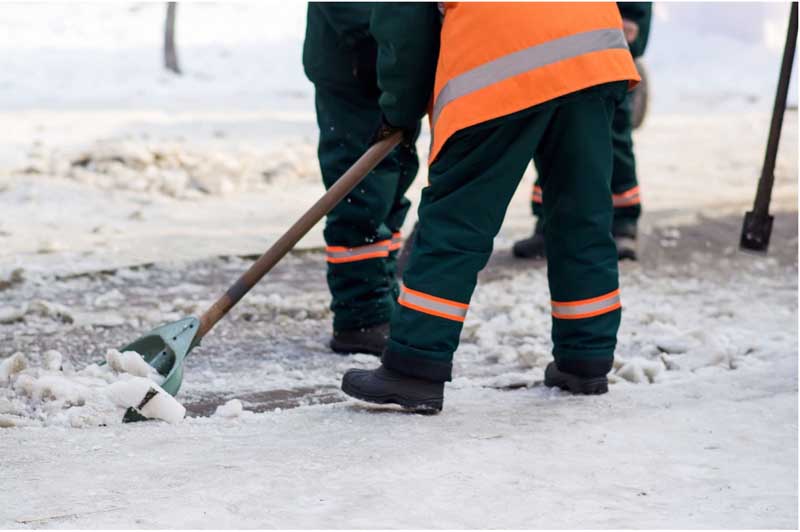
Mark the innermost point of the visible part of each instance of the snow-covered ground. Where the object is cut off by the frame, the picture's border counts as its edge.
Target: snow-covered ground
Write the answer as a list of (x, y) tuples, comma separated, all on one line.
[(710, 442), (130, 198)]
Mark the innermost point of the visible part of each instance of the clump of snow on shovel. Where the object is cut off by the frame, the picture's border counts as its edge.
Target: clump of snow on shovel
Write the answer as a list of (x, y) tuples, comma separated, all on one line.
[(135, 391), (131, 362), (53, 393)]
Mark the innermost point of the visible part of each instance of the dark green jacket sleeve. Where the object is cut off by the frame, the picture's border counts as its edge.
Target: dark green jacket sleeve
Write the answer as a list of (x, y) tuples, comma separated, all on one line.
[(350, 20), (640, 13), (408, 49), (334, 32)]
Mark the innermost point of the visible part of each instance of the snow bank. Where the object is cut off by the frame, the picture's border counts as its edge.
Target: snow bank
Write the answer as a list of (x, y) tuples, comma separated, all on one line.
[(56, 394), (109, 54), (718, 57), (175, 169), (722, 56)]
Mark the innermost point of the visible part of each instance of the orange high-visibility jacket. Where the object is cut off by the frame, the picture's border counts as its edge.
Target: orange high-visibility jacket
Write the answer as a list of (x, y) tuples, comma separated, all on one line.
[(499, 58)]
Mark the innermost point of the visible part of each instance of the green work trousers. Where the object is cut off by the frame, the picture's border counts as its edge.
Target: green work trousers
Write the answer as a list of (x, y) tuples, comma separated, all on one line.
[(472, 182), (362, 232), (624, 185)]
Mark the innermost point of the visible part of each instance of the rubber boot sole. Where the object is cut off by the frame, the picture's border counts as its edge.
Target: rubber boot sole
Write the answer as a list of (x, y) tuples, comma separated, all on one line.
[(430, 406), (553, 377)]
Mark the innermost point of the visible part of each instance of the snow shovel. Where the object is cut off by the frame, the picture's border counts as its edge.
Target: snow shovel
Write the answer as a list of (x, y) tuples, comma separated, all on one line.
[(166, 347)]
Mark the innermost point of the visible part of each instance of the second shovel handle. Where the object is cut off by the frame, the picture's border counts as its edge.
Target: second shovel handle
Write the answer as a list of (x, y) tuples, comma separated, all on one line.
[(341, 188)]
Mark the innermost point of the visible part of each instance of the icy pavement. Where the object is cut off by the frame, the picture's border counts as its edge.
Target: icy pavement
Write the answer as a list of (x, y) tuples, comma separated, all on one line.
[(699, 428)]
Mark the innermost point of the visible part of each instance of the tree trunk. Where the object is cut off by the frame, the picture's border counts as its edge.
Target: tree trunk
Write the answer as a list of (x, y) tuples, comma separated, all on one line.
[(170, 54)]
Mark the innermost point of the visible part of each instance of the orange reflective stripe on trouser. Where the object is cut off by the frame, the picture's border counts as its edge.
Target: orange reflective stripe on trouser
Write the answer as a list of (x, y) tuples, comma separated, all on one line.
[(537, 194), (435, 306), (340, 254), (627, 199), (396, 242), (586, 308)]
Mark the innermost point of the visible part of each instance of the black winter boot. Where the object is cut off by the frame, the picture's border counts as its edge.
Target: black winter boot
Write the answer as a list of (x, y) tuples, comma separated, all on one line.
[(370, 340), (625, 238), (533, 247), (574, 383), (384, 386)]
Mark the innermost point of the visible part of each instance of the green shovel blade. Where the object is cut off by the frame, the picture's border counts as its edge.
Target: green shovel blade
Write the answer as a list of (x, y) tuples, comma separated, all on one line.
[(166, 347)]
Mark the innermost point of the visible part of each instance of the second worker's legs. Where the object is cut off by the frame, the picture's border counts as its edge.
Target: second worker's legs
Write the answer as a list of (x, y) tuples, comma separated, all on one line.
[(624, 189), (359, 231), (624, 184)]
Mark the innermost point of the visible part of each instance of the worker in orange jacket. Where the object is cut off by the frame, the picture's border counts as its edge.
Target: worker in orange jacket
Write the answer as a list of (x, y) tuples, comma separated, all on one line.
[(513, 81)]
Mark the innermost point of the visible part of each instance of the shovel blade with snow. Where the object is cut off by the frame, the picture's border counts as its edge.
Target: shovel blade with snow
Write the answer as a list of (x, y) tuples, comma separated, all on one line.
[(165, 348)]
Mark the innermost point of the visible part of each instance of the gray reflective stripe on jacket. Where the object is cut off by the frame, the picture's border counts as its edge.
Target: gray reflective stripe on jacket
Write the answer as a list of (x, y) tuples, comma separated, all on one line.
[(526, 60)]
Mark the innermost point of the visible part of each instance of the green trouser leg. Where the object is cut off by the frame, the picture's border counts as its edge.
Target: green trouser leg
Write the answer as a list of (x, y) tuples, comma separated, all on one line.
[(624, 185), (471, 184), (576, 160), (361, 281)]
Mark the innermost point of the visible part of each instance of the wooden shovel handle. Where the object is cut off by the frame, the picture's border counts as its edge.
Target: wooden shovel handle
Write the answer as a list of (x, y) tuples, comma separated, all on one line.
[(354, 175)]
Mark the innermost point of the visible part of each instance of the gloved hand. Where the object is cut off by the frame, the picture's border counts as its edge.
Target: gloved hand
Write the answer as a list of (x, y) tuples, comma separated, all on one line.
[(385, 129), (630, 29)]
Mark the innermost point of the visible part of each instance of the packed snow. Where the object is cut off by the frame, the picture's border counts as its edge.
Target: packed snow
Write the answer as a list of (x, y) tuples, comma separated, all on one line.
[(175, 170), (132, 198)]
